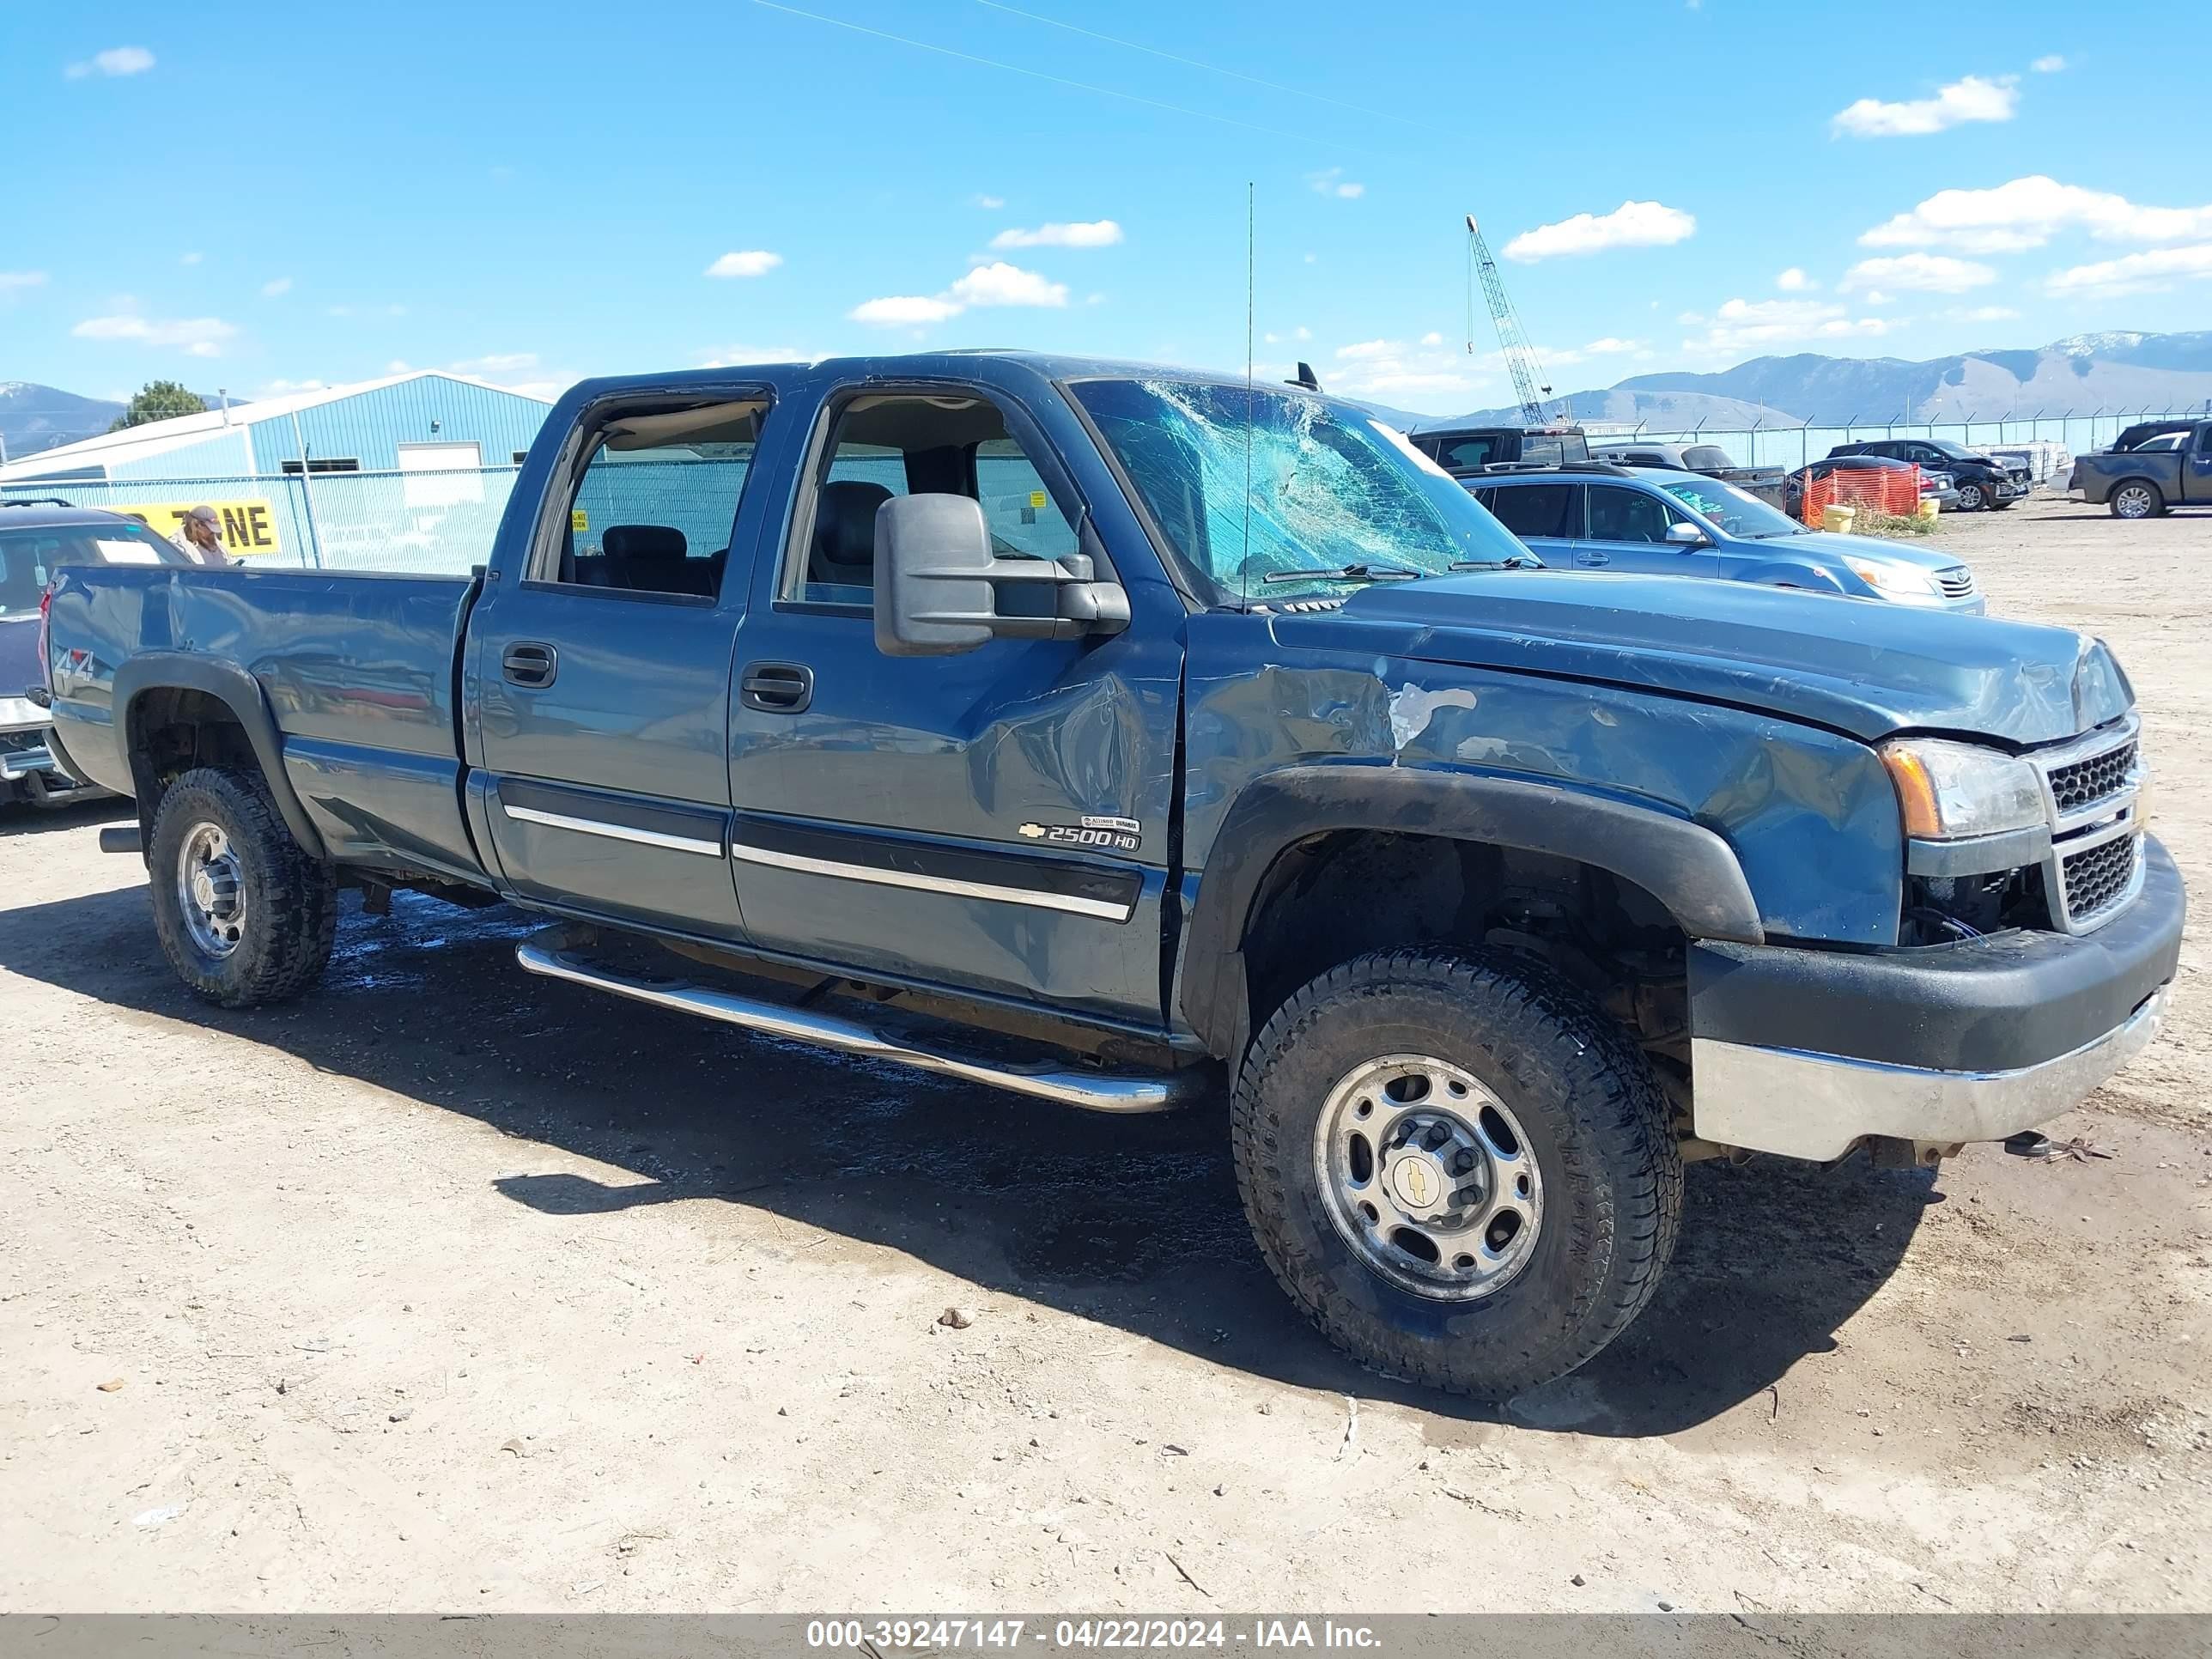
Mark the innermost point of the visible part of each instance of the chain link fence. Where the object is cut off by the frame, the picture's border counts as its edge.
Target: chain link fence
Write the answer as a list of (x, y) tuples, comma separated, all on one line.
[(1792, 447)]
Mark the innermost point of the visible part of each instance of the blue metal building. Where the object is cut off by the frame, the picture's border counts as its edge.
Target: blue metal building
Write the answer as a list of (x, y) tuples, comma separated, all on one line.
[(422, 420)]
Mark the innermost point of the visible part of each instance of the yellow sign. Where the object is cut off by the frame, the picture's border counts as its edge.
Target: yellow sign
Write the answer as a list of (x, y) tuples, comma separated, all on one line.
[(578, 520), (249, 528), (1036, 500)]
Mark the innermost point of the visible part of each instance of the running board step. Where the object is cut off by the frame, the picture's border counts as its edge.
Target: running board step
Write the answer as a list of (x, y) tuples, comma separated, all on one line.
[(1096, 1091)]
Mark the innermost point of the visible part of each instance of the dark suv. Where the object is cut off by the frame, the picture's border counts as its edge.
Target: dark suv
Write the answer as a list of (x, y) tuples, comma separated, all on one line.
[(38, 537), (1461, 450), (1981, 480)]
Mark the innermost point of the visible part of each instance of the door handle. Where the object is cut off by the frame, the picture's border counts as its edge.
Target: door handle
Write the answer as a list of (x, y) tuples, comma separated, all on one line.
[(1597, 558), (776, 688), (526, 663)]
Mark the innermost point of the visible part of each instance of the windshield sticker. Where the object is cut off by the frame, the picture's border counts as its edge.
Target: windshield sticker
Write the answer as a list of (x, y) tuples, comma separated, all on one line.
[(118, 552)]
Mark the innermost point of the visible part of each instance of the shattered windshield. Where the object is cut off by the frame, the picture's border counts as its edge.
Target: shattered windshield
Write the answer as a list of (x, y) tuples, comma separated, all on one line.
[(1335, 499)]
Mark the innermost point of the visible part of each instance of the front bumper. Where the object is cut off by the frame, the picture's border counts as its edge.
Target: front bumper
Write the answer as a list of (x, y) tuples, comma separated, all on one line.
[(1807, 1052)]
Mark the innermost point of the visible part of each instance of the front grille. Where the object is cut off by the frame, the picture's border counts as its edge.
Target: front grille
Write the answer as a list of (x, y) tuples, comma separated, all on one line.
[(1957, 583), (2098, 877), (2083, 783)]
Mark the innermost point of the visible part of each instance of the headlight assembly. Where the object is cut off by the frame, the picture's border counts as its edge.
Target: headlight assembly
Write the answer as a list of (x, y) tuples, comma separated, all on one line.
[(1948, 790), (1900, 582)]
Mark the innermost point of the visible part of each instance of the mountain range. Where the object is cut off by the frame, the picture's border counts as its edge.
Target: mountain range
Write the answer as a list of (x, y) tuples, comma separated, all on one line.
[(2160, 374), (35, 417)]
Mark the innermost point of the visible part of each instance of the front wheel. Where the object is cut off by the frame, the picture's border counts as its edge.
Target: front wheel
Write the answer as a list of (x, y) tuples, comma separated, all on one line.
[(1464, 1173), (2137, 500), (1971, 498), (244, 914)]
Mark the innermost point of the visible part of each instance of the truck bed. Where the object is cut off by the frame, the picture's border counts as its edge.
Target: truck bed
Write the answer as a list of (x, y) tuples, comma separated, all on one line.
[(357, 671)]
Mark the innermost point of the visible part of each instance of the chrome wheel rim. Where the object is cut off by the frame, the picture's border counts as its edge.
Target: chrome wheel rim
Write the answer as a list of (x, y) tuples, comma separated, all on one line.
[(1427, 1176), (1970, 497), (2135, 502), (211, 891)]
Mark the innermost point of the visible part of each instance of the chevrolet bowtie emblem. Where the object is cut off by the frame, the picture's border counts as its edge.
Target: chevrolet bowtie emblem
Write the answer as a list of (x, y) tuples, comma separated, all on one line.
[(1034, 831)]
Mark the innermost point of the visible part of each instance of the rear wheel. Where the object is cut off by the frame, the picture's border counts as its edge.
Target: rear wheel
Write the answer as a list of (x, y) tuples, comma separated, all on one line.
[(1463, 1172), (2137, 500), (246, 916)]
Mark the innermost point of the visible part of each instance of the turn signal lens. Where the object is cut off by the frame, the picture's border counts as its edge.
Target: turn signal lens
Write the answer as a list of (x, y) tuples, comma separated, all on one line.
[(1948, 790)]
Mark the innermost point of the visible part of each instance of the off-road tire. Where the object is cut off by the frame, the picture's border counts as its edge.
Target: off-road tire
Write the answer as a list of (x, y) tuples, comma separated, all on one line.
[(291, 899), (1596, 1120)]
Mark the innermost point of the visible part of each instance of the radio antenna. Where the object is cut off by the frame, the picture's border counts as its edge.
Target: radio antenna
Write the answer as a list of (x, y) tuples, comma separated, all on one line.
[(1251, 266)]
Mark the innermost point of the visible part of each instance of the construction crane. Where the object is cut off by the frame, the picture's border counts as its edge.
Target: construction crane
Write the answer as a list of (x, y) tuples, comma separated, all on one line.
[(1529, 384)]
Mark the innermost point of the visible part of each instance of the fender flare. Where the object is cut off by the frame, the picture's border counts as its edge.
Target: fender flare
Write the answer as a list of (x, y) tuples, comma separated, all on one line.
[(1685, 866), (238, 691)]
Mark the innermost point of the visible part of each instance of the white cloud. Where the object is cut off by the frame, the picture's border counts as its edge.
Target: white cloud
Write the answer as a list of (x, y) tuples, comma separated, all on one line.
[(1302, 332), (997, 283), (278, 388), (1098, 233), (904, 310), (496, 363), (1926, 273), (1002, 284), (14, 282), (727, 357), (1432, 338), (1738, 324), (751, 262), (2028, 212), (189, 258), (1969, 99), (1874, 296), (1981, 314), (1390, 371), (275, 286), (2049, 66), (1332, 182), (2137, 273), (988, 204), (198, 336), (116, 60), (1633, 224), (1795, 280), (1611, 347)]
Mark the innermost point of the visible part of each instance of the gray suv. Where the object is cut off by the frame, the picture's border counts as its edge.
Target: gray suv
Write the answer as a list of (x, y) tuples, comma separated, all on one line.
[(1646, 522)]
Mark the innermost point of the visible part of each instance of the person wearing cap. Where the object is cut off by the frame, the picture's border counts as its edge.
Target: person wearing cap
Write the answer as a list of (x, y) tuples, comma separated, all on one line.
[(199, 536)]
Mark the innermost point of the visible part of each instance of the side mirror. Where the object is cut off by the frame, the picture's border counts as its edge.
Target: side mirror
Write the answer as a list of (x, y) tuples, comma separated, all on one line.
[(937, 581), (1682, 533)]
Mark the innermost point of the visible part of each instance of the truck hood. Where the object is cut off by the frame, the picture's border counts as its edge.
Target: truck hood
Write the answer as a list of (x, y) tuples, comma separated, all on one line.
[(1862, 666)]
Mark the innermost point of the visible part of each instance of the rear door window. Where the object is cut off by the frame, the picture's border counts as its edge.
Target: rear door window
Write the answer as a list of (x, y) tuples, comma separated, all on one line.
[(1621, 515), (1544, 511)]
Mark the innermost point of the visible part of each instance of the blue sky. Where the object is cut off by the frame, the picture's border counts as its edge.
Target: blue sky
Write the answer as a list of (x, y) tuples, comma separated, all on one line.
[(257, 196)]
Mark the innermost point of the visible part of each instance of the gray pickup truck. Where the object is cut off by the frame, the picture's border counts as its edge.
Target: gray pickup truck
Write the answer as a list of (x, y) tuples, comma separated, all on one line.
[(2172, 468), (1185, 740)]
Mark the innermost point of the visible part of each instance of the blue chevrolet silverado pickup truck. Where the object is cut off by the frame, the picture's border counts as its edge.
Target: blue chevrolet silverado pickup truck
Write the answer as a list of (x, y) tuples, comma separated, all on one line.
[(1106, 733)]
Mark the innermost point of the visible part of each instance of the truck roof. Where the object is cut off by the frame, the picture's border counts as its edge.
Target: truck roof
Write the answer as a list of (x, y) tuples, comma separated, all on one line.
[(972, 361), (37, 513)]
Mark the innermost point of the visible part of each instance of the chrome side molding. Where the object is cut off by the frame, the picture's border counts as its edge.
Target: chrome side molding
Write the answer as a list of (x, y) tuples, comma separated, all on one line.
[(1068, 1085)]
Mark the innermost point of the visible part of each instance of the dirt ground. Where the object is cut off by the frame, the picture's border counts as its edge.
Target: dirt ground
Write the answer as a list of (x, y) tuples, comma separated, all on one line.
[(446, 1289)]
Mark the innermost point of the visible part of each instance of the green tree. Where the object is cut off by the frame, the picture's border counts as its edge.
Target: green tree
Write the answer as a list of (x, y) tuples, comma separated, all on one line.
[(157, 401)]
